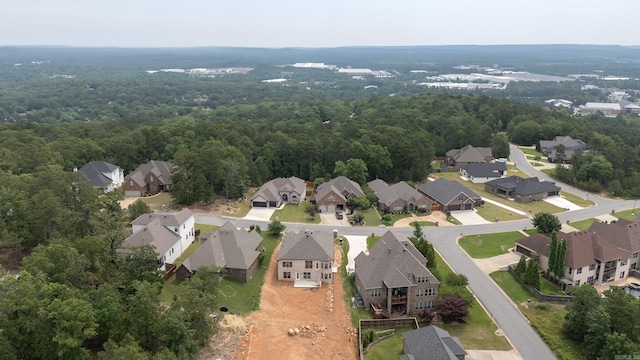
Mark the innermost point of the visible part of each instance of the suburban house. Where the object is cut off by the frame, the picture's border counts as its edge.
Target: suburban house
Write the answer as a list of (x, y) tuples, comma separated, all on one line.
[(603, 253), (431, 343), (306, 258), (280, 191), (103, 174), (479, 173), (468, 154), (235, 250), (521, 189), (548, 148), (148, 178), (333, 194), (166, 243), (399, 196), (181, 223), (450, 195), (393, 275)]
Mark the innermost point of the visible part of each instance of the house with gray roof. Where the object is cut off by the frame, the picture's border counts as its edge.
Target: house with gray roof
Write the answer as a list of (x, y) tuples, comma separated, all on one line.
[(235, 250), (467, 155), (280, 191), (399, 196), (522, 189), (480, 173), (431, 343), (181, 223), (548, 148), (393, 276), (103, 175), (306, 258), (148, 178), (603, 253), (165, 242), (450, 195), (333, 194)]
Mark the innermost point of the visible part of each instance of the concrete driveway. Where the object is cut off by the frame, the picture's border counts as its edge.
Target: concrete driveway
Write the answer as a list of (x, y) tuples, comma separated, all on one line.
[(357, 244), (469, 217), (561, 202), (260, 214), (329, 218), (492, 355)]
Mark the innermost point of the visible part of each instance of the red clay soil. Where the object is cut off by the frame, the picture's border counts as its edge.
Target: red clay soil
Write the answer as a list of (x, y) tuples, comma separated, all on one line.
[(321, 318)]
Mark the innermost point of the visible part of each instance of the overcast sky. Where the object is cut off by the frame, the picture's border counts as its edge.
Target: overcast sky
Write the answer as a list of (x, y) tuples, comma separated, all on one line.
[(317, 23)]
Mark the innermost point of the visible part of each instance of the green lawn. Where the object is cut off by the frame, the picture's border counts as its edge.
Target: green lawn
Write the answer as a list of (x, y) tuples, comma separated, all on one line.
[(394, 218), (630, 215), (492, 212), (531, 231), (583, 224), (371, 217), (546, 287), (576, 199), (390, 348), (160, 201), (546, 320), (489, 245), (531, 151), (372, 240), (295, 213), (423, 223)]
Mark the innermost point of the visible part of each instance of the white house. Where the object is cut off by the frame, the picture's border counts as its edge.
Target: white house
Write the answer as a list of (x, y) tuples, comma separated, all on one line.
[(103, 174), (181, 223)]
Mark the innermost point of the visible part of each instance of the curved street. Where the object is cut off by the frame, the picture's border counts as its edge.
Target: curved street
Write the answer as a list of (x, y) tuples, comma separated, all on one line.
[(515, 326)]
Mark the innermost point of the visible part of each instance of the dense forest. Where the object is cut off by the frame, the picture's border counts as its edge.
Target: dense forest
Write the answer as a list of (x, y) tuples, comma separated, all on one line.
[(77, 297)]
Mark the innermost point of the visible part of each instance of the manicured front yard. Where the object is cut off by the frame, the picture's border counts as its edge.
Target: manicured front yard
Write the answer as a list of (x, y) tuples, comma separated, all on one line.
[(630, 215), (295, 213), (489, 245), (583, 224), (576, 199), (160, 201), (371, 217), (394, 218), (423, 223), (492, 212)]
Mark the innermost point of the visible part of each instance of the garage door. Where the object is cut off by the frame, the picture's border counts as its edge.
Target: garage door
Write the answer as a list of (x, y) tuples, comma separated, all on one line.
[(331, 208), (132, 193), (259, 204)]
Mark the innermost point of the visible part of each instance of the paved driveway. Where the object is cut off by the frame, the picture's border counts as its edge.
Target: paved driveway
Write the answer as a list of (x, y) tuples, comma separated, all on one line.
[(330, 219), (357, 244), (561, 202), (260, 214), (468, 217)]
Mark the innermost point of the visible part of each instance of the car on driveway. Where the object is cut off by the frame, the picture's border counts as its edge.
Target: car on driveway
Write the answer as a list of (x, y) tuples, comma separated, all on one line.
[(339, 215)]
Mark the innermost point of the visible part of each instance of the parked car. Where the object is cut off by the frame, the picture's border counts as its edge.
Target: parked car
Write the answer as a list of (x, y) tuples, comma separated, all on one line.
[(339, 215)]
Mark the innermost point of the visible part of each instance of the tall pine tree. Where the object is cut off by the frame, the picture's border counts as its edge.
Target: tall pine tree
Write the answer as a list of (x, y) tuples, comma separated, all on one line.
[(561, 253), (553, 251)]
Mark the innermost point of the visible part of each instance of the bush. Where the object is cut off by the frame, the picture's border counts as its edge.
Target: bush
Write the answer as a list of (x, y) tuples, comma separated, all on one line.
[(456, 280), (276, 227)]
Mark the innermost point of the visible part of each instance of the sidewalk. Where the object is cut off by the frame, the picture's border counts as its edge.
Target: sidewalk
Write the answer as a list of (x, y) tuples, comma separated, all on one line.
[(519, 212)]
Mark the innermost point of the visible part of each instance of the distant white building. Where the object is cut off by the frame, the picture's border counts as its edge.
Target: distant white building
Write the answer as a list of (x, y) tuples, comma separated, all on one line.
[(557, 103)]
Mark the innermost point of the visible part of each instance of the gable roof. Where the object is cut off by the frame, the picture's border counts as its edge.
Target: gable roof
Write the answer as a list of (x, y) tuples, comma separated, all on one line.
[(95, 171), (432, 343), (307, 245), (444, 191), (392, 263), (154, 234), (270, 191), (568, 142), (470, 154), (623, 234), (524, 186), (481, 169), (162, 170), (228, 247), (342, 186), (387, 194), (167, 219)]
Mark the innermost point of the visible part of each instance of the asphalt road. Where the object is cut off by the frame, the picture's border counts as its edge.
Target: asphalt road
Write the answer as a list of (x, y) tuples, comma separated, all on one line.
[(515, 326)]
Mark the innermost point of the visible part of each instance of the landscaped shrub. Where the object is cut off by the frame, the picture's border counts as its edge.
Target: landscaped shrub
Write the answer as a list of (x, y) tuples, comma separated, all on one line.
[(456, 280)]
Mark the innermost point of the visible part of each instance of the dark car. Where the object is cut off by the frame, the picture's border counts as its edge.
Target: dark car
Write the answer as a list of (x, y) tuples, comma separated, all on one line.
[(339, 215)]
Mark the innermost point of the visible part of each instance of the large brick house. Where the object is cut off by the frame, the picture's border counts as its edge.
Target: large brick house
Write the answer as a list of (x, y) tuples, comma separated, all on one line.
[(394, 276), (398, 197), (149, 178), (333, 194)]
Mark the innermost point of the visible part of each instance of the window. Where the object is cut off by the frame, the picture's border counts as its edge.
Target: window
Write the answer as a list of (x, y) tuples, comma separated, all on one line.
[(286, 275), (623, 262), (570, 271), (577, 283), (590, 280), (308, 264), (592, 267), (635, 256), (287, 264), (421, 292), (422, 279), (327, 276), (326, 265), (424, 304), (622, 275), (431, 292), (376, 292), (331, 198), (306, 276), (579, 271), (317, 265)]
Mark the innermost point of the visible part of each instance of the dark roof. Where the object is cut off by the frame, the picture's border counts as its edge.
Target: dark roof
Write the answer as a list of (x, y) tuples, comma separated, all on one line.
[(392, 263), (307, 245), (485, 169), (445, 191), (623, 234), (162, 170), (522, 186), (270, 191), (228, 247), (432, 343), (95, 171), (470, 154)]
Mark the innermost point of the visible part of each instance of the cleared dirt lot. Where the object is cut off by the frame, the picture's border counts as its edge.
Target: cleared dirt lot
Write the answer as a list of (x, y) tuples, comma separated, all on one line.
[(321, 316)]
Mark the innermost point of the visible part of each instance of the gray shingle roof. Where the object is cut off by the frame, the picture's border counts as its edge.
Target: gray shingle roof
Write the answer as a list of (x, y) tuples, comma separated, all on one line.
[(270, 191), (392, 263), (470, 154), (485, 169), (95, 170), (342, 186), (307, 245), (432, 343), (387, 194), (167, 219), (162, 170), (445, 191), (522, 186), (154, 234), (569, 143), (228, 247)]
